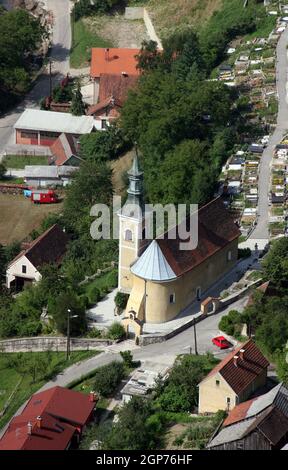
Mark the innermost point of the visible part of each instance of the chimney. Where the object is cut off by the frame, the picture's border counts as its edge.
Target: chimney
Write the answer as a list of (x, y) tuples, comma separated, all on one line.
[(92, 396), (242, 351), (235, 360), (29, 428), (39, 422), (107, 54), (124, 74)]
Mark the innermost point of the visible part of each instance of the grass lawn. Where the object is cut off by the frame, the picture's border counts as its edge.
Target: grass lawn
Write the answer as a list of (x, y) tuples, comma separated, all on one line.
[(20, 161), (11, 180), (104, 283), (83, 40), (9, 377)]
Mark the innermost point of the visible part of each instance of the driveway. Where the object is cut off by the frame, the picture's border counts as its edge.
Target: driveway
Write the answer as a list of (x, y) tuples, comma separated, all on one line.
[(261, 230), (61, 41)]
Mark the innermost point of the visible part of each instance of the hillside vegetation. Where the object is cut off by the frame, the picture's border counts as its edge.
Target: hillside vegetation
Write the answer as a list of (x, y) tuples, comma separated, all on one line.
[(168, 14)]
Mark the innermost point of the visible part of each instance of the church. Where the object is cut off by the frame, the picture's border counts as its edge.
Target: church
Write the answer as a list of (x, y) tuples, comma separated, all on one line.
[(160, 278)]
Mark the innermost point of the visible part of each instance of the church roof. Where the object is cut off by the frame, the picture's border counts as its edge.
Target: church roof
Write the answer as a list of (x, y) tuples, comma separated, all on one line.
[(134, 170), (216, 229), (152, 265)]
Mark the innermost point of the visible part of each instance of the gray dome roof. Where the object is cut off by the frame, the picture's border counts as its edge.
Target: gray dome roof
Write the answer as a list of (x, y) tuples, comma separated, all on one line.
[(152, 265)]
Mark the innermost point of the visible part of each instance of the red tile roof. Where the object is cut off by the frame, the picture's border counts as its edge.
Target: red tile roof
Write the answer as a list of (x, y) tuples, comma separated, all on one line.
[(240, 376), (239, 412), (47, 248), (53, 434), (216, 228), (116, 86), (62, 413), (108, 106), (70, 406), (113, 61)]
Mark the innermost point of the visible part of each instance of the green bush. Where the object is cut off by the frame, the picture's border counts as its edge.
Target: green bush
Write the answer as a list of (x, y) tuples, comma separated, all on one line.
[(127, 357), (121, 300), (94, 333), (31, 328), (107, 378), (94, 295), (229, 323), (116, 331), (244, 253)]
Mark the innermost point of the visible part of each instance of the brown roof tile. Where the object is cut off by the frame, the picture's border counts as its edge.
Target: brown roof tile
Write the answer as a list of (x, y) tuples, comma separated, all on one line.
[(216, 228), (47, 248), (248, 369)]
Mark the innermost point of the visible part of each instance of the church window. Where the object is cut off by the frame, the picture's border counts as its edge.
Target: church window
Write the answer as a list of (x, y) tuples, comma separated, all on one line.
[(128, 235), (172, 298)]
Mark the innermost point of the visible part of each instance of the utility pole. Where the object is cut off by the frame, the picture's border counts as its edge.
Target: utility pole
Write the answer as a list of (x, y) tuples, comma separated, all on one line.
[(50, 78), (195, 338), (68, 351), (68, 335)]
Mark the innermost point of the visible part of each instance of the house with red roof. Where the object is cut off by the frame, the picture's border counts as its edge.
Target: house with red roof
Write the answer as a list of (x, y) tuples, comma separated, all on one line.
[(113, 91), (65, 151), (114, 61), (233, 380), (51, 420), (25, 268)]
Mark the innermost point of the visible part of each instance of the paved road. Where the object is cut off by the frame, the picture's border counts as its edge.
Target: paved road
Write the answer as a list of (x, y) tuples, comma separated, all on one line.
[(261, 230), (61, 42), (159, 352)]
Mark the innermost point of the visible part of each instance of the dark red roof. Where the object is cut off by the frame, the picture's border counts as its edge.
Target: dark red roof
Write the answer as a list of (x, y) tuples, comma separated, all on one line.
[(70, 406), (109, 106), (62, 413), (240, 376), (53, 434), (216, 228), (47, 248), (116, 86)]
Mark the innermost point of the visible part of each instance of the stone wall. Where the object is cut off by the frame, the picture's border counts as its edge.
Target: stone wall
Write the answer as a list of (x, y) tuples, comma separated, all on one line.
[(52, 343)]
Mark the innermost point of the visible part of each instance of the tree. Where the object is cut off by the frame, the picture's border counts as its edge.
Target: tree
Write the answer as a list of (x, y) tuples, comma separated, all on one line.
[(136, 429), (121, 300), (91, 184), (127, 357), (20, 35), (275, 264), (59, 310), (2, 170), (148, 57), (107, 378), (103, 146), (77, 105)]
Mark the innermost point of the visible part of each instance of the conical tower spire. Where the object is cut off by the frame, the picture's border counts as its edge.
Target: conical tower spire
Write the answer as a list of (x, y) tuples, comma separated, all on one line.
[(135, 190)]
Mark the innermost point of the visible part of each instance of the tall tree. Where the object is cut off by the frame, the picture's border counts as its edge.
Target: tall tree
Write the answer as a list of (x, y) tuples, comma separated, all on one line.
[(77, 105)]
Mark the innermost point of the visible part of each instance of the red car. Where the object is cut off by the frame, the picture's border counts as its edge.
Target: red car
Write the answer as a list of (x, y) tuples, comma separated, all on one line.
[(221, 342)]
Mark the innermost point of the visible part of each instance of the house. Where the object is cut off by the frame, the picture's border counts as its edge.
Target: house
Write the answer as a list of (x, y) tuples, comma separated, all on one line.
[(38, 127), (45, 176), (143, 380), (234, 379), (65, 151), (51, 420), (113, 91), (114, 61), (161, 278), (25, 268), (257, 424)]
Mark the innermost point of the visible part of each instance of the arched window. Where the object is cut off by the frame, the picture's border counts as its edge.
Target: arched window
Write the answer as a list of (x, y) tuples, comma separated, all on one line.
[(128, 235)]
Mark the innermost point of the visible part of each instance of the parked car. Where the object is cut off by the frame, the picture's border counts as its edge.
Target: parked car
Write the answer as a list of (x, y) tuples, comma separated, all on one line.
[(221, 342)]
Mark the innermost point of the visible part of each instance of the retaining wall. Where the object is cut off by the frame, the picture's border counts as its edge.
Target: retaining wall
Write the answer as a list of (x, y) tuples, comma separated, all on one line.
[(52, 343)]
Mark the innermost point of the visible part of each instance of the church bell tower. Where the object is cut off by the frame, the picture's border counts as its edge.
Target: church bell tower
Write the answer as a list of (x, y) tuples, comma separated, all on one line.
[(131, 222)]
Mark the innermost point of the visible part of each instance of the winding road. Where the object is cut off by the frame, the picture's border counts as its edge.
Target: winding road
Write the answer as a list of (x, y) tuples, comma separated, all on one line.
[(61, 42)]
